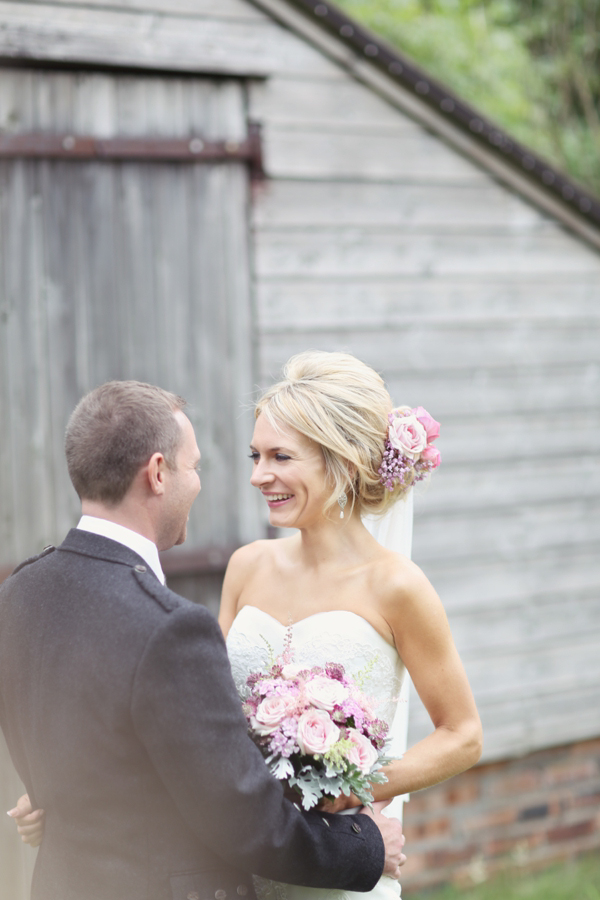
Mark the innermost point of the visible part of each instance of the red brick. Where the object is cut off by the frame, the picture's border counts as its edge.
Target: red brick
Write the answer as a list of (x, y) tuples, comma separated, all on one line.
[(568, 832), (430, 828), (463, 793), (570, 771), (439, 858)]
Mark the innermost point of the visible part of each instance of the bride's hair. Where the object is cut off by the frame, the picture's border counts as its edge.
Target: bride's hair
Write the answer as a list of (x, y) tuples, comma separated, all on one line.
[(343, 405)]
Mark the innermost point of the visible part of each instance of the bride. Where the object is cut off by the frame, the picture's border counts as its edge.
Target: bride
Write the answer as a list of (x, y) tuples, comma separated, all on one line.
[(332, 592)]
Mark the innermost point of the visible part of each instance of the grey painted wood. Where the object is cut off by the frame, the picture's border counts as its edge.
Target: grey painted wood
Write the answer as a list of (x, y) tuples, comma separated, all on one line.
[(220, 9), (482, 206), (397, 252), (123, 270), (371, 235), (110, 34), (375, 303)]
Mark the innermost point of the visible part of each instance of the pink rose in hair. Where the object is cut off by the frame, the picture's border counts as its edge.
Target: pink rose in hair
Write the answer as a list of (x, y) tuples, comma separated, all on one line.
[(408, 436), (363, 754), (432, 456), (432, 428), (316, 732)]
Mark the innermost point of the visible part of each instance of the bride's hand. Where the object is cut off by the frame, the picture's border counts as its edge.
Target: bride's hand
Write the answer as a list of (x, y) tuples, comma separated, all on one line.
[(30, 822), (339, 803)]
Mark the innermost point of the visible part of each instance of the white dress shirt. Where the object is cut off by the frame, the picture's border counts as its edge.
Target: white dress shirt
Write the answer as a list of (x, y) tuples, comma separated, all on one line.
[(141, 545)]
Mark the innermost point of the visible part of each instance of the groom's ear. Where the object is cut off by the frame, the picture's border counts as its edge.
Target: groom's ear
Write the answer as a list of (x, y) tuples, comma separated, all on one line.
[(156, 470)]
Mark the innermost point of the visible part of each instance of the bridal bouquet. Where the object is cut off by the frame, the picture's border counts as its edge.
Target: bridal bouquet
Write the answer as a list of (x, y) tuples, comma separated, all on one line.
[(316, 730)]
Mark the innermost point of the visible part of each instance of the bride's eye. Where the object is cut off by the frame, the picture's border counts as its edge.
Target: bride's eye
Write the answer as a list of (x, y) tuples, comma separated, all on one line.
[(254, 456), (280, 457)]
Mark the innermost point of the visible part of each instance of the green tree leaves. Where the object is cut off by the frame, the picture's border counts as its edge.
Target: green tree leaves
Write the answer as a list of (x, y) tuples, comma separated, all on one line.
[(533, 66)]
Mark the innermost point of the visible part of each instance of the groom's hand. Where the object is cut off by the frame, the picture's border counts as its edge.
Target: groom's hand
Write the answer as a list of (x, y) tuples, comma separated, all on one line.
[(393, 839)]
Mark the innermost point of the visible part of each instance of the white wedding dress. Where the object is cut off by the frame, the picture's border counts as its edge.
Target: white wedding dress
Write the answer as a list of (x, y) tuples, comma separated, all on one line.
[(344, 637)]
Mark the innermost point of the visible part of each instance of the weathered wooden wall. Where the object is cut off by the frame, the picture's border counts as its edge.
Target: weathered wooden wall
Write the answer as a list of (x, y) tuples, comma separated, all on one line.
[(118, 270), (373, 235)]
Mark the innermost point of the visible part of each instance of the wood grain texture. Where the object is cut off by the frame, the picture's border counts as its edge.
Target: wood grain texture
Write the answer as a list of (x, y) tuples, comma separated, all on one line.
[(373, 303), (123, 36), (122, 271), (383, 252)]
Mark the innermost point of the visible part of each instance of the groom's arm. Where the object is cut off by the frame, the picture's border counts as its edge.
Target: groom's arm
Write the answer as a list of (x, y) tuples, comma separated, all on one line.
[(188, 715)]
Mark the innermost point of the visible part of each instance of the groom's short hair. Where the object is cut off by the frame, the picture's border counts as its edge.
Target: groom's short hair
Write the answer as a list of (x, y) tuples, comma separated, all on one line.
[(113, 431)]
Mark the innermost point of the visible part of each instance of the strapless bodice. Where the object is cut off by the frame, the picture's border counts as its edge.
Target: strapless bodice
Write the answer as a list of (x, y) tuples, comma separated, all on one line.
[(337, 636)]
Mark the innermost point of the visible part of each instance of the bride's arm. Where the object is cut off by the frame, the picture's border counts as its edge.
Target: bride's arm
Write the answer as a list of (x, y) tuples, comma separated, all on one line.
[(423, 639)]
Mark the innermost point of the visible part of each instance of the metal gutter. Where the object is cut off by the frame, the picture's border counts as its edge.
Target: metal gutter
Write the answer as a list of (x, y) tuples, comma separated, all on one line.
[(379, 53)]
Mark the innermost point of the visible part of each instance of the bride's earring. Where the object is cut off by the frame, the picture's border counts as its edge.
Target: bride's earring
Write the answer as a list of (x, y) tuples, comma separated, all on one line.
[(342, 500)]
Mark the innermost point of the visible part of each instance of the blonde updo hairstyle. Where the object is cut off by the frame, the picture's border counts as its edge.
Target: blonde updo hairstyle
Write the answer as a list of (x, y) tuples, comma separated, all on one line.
[(341, 404)]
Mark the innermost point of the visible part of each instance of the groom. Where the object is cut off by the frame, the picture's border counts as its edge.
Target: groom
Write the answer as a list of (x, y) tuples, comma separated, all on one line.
[(117, 701)]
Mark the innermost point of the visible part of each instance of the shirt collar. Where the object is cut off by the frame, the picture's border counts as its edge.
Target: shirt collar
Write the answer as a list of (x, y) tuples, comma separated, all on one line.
[(136, 542)]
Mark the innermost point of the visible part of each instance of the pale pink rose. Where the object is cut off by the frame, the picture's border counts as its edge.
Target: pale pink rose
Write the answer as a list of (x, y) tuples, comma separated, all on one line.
[(408, 436), (432, 455), (432, 428), (316, 732), (325, 693), (363, 754), (290, 671), (271, 712)]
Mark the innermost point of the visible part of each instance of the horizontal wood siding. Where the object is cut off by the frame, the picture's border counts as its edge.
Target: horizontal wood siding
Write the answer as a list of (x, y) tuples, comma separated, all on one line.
[(374, 237)]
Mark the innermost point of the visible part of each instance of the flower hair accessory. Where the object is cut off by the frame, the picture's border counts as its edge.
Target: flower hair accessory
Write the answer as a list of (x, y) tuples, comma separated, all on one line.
[(409, 453)]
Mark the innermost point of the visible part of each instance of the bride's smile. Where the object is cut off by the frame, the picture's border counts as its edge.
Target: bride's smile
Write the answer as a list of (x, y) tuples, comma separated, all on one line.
[(289, 471)]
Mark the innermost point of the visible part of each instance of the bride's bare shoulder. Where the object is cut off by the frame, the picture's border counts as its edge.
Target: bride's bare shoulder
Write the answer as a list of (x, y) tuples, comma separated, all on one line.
[(255, 555), (399, 578)]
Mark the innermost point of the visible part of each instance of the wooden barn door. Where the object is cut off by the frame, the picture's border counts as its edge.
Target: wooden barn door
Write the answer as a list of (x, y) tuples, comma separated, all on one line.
[(123, 254)]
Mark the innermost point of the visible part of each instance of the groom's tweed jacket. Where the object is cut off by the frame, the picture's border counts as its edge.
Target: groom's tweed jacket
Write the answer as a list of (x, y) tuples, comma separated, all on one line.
[(121, 716)]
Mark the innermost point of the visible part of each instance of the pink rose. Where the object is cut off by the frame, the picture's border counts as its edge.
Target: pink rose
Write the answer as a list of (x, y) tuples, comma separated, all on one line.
[(325, 693), (363, 754), (432, 428), (271, 711), (432, 455), (408, 436), (316, 732)]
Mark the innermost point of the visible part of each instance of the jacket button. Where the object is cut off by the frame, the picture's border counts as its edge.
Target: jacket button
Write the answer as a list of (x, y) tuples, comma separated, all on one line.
[(140, 568), (220, 894), (356, 827), (242, 890), (193, 895)]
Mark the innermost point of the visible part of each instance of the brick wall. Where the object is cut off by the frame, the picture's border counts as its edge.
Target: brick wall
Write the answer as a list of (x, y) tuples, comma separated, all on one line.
[(528, 813)]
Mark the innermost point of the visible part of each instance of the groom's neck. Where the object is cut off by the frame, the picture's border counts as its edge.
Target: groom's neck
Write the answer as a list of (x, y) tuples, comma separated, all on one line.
[(126, 514)]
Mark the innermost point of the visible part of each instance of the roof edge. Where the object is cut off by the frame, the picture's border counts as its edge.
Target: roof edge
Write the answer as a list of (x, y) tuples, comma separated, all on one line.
[(563, 192)]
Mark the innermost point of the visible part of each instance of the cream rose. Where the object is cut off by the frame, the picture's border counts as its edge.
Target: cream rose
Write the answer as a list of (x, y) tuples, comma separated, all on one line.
[(325, 693), (316, 732), (363, 754), (271, 711), (408, 436), (290, 671)]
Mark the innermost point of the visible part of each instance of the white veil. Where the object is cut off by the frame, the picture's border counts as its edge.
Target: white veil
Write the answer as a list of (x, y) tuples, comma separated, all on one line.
[(394, 532)]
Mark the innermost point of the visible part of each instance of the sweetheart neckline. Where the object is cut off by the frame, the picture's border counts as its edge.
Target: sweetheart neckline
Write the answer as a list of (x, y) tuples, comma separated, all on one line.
[(324, 612)]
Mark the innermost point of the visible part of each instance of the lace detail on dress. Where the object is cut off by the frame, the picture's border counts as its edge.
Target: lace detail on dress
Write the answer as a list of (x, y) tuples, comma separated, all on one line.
[(336, 636)]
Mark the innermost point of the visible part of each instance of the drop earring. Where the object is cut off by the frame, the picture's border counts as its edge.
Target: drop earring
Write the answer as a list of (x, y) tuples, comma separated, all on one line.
[(342, 500)]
